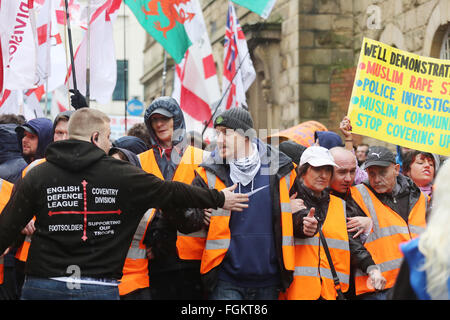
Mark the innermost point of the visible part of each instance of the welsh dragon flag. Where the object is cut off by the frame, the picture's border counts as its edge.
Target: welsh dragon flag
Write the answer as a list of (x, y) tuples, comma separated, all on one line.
[(261, 7), (164, 21)]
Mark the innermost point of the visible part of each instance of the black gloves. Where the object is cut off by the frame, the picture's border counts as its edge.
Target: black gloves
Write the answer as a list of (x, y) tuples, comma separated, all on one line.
[(77, 100)]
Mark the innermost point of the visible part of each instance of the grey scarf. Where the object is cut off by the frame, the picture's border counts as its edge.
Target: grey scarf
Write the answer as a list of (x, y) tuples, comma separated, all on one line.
[(244, 170)]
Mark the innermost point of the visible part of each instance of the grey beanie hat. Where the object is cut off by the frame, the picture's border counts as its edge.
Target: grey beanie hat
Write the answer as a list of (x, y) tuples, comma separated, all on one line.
[(235, 118)]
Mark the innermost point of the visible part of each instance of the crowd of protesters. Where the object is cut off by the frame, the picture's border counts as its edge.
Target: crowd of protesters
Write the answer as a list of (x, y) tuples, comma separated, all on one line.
[(245, 220)]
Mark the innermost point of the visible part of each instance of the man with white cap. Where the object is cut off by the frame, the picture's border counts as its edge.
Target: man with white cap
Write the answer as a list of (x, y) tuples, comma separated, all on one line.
[(313, 275)]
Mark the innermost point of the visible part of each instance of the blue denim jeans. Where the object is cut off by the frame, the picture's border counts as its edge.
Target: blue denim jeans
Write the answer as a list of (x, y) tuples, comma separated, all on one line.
[(35, 288), (380, 295), (228, 291)]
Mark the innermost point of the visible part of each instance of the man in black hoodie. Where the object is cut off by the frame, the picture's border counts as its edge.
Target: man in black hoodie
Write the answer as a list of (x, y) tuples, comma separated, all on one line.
[(87, 207)]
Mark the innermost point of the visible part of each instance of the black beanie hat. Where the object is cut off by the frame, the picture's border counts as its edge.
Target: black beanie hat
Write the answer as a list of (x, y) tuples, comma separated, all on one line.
[(235, 118)]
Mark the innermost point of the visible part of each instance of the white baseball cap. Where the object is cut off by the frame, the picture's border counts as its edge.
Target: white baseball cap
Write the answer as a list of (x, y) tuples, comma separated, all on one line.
[(317, 156)]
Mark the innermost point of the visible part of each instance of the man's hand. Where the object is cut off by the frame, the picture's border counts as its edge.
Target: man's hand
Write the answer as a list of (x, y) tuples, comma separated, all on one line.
[(296, 204), (359, 224), (149, 252), (207, 216), (234, 201), (6, 251), (346, 128), (29, 228), (77, 100), (376, 278), (310, 223)]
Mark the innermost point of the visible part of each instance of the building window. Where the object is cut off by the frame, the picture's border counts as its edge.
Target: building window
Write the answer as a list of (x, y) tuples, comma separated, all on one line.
[(122, 81), (445, 48)]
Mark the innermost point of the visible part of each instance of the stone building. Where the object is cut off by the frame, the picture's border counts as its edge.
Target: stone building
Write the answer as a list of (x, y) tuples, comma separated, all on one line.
[(305, 53)]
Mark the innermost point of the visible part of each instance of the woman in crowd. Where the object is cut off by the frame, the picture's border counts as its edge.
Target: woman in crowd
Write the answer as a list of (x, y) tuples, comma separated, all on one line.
[(313, 273), (421, 167), (425, 272)]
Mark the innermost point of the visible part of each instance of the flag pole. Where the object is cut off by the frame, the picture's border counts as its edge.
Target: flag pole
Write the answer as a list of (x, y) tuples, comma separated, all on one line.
[(223, 95), (49, 36), (67, 58), (88, 56), (206, 123), (125, 67), (163, 91), (69, 32)]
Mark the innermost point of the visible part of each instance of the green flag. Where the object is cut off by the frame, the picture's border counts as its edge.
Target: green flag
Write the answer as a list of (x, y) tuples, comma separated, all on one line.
[(261, 7), (162, 20)]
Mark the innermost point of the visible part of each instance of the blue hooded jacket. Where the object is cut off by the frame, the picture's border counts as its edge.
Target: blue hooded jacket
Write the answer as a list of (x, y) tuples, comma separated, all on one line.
[(44, 129), (11, 161), (328, 139), (131, 156), (132, 143)]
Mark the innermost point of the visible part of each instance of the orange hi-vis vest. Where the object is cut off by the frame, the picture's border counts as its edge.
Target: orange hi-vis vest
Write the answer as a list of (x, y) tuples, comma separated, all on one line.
[(189, 246), (135, 269), (388, 232), (219, 234), (5, 193), (22, 252), (312, 276)]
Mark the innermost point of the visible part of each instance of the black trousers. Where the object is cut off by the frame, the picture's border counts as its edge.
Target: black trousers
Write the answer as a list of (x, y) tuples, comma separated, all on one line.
[(181, 284)]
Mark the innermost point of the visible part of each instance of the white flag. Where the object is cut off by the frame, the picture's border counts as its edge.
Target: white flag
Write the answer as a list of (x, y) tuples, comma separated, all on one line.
[(15, 102), (11, 102), (60, 101), (43, 28), (57, 55), (102, 55), (18, 45), (196, 87), (31, 106)]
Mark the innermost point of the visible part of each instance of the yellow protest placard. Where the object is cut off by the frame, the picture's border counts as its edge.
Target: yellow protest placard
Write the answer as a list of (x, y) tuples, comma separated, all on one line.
[(401, 98)]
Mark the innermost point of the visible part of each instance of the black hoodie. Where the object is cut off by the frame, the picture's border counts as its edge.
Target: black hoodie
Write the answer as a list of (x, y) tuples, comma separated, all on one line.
[(87, 207)]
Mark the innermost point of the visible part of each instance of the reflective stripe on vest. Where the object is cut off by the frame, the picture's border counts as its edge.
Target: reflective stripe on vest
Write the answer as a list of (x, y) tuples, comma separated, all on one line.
[(189, 246), (135, 270), (32, 165), (219, 234), (287, 226), (312, 276), (389, 230), (137, 251), (5, 193)]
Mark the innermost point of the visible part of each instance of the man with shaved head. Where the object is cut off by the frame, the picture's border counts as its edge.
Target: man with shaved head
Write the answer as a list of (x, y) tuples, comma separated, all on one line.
[(87, 207), (358, 223)]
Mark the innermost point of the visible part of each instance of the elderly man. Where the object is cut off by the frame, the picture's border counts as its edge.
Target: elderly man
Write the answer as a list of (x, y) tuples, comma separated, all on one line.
[(88, 206), (397, 208)]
